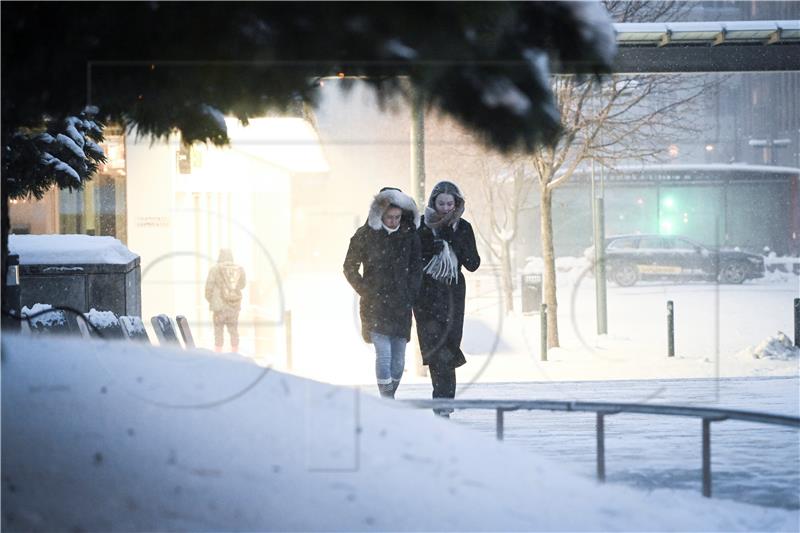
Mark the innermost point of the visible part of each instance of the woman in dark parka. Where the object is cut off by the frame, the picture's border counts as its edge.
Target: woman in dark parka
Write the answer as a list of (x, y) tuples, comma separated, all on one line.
[(448, 243), (388, 248)]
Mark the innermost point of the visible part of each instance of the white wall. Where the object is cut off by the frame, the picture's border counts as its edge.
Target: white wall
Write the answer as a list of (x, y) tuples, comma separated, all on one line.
[(150, 202), (238, 197)]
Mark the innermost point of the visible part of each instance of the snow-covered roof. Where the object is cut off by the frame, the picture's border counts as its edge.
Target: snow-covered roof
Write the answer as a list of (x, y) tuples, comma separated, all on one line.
[(711, 167), (716, 33), (69, 249), (715, 170)]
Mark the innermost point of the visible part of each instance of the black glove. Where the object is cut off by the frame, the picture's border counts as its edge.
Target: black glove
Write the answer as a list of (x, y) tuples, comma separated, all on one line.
[(446, 233), (438, 246)]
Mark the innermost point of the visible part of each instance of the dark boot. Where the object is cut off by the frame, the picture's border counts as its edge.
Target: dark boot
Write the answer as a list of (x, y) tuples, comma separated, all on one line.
[(386, 390), (395, 384)]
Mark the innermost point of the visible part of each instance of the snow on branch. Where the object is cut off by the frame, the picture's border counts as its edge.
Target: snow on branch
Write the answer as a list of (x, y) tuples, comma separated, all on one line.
[(67, 154)]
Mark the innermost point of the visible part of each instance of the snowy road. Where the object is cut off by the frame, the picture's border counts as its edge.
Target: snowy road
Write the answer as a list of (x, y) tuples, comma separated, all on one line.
[(752, 463)]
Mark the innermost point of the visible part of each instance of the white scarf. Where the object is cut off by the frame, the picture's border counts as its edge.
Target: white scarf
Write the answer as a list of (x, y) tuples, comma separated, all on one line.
[(444, 265), (390, 230)]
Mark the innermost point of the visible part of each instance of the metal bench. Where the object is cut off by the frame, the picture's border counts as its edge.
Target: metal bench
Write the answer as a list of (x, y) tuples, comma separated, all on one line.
[(50, 321), (133, 328), (165, 330), (105, 324)]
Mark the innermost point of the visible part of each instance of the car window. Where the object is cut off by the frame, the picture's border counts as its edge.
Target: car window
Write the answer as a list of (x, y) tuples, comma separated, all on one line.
[(682, 244), (622, 244), (651, 243)]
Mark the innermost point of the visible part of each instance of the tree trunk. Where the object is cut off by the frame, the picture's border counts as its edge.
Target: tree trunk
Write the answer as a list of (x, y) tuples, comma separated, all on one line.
[(549, 274), (508, 285)]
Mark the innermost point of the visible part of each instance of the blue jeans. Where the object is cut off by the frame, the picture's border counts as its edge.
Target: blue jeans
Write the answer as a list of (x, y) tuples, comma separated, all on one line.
[(390, 357)]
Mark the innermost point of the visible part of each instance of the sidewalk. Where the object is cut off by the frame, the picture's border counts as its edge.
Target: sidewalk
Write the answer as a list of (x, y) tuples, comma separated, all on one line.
[(716, 328)]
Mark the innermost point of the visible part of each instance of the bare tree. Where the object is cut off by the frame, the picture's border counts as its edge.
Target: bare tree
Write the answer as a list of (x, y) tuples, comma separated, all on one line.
[(504, 191), (626, 118), (502, 183), (648, 11)]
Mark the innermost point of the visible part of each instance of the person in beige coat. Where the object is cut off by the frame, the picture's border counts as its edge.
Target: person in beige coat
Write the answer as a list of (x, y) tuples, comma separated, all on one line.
[(224, 294)]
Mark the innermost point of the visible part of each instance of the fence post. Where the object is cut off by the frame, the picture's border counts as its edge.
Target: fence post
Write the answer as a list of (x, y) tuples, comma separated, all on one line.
[(543, 331), (670, 329), (797, 322), (287, 321), (707, 457), (601, 448)]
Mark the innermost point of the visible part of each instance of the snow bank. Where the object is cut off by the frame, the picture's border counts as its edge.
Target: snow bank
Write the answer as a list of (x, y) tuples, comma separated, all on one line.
[(119, 436), (778, 347), (66, 249)]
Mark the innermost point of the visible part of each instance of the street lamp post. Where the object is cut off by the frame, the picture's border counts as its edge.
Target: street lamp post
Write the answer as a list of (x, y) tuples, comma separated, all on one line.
[(599, 237), (418, 178)]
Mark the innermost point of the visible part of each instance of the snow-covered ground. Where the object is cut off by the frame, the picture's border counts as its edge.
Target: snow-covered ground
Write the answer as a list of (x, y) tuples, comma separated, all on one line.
[(195, 441), (718, 329), (101, 436)]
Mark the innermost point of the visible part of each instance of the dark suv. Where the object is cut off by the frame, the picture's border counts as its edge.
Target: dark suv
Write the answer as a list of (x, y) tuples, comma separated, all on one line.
[(630, 258)]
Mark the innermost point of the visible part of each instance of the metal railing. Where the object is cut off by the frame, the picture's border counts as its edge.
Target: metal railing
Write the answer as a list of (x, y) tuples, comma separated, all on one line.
[(603, 409)]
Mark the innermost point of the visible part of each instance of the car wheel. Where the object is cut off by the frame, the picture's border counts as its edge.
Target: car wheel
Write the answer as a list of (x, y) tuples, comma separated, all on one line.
[(734, 272), (625, 274)]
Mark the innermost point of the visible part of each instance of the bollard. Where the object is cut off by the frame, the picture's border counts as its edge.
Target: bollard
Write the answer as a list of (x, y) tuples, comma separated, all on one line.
[(670, 329), (797, 322), (707, 457), (499, 427), (543, 331), (601, 448), (287, 320)]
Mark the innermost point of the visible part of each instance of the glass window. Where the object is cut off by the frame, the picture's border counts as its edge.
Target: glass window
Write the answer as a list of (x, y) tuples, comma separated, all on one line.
[(683, 244), (100, 207), (651, 243), (623, 244)]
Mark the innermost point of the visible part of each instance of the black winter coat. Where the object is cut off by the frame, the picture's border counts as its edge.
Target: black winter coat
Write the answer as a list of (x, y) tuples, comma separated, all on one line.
[(439, 310), (391, 278)]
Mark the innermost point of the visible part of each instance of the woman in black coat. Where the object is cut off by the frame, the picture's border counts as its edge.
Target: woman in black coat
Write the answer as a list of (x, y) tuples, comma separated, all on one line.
[(388, 248), (448, 243)]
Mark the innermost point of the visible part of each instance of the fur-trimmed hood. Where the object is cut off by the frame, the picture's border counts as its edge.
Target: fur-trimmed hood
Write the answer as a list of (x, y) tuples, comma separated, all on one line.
[(388, 197)]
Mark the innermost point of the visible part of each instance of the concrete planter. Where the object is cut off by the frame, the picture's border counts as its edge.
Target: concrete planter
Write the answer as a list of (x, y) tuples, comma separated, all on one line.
[(107, 287)]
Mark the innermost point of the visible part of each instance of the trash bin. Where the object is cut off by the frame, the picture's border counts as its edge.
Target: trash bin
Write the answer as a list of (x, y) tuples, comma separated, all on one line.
[(12, 300), (531, 290)]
